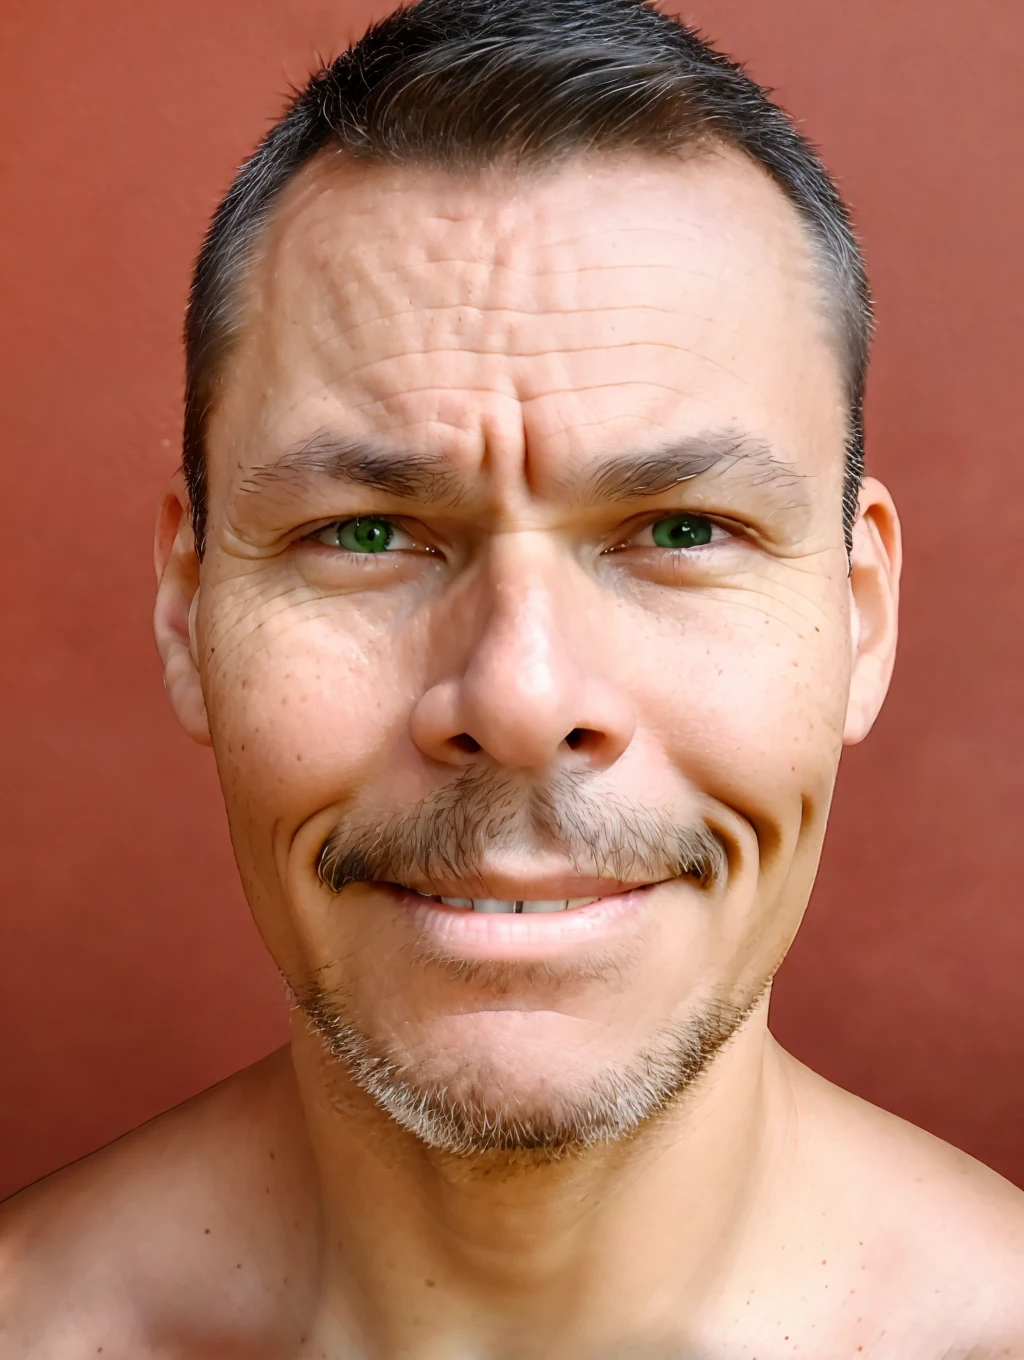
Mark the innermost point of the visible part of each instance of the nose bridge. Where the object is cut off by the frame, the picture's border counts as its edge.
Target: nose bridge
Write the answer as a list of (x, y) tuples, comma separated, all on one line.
[(532, 684), (523, 630)]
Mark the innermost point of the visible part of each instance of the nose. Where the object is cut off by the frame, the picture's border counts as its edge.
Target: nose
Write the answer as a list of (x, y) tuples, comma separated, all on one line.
[(533, 690)]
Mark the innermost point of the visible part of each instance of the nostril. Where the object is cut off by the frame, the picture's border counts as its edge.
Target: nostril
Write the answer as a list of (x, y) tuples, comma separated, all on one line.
[(466, 743), (575, 739)]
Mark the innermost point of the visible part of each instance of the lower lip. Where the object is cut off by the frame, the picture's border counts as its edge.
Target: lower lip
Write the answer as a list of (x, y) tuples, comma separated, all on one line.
[(530, 935)]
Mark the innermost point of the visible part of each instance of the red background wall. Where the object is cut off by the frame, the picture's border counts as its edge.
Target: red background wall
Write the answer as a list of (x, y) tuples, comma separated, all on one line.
[(131, 975)]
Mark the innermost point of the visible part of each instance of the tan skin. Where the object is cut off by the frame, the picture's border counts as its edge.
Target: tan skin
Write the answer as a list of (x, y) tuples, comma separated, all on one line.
[(524, 334)]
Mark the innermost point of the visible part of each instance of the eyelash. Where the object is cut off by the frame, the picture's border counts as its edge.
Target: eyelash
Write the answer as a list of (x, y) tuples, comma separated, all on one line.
[(339, 524), (720, 534), (693, 550)]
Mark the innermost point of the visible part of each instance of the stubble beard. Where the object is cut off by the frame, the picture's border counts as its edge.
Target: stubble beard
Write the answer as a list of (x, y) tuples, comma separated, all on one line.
[(449, 833), (473, 1120)]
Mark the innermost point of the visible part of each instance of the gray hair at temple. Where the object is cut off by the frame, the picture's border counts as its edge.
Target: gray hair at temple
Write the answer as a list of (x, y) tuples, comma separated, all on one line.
[(464, 85)]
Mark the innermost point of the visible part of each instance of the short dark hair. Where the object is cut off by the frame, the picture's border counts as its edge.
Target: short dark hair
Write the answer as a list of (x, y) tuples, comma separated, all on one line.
[(468, 84)]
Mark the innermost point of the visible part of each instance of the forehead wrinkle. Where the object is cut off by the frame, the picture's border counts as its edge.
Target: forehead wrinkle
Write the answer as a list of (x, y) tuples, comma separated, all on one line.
[(308, 230), (485, 257), (462, 320)]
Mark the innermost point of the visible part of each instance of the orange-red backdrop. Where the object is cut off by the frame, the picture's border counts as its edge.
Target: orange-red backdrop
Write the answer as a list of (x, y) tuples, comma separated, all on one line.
[(132, 976)]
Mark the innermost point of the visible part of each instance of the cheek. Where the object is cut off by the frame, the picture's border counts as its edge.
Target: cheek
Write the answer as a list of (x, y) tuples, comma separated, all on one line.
[(777, 697), (747, 703), (747, 692), (301, 704)]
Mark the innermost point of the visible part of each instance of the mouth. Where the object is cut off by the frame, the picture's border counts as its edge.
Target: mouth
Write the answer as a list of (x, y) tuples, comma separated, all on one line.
[(516, 906), (528, 926), (540, 895)]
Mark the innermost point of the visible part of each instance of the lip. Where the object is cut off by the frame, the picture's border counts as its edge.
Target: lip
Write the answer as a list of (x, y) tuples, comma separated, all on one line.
[(467, 934)]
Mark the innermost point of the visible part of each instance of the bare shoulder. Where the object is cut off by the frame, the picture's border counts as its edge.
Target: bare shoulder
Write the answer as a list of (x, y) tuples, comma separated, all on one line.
[(941, 1230), (90, 1255)]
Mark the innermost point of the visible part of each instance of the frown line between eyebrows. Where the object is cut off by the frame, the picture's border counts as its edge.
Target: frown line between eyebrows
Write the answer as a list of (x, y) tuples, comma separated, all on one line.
[(430, 478)]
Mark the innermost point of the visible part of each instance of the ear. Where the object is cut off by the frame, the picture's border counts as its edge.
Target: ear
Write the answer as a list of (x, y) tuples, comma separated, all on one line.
[(874, 586), (174, 614)]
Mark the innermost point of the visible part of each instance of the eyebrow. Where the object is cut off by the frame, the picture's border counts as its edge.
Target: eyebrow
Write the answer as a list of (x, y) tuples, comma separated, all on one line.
[(649, 473), (397, 472), (429, 477)]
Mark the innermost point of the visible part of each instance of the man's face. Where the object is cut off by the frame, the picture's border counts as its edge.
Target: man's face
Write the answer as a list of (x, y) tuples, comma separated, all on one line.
[(526, 582)]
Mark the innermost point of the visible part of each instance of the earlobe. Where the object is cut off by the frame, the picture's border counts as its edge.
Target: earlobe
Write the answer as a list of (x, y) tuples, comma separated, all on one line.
[(174, 613), (875, 564)]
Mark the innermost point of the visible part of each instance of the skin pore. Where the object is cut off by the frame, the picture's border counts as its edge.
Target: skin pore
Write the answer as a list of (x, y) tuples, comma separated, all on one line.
[(525, 579)]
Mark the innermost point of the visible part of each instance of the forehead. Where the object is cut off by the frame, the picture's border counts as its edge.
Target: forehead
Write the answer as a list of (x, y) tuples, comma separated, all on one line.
[(554, 315)]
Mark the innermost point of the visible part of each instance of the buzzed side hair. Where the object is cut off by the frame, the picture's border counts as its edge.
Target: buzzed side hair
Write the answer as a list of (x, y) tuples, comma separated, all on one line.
[(465, 85)]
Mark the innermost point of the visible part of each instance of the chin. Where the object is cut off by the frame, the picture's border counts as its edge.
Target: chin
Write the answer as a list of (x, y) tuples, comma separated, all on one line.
[(513, 1058), (535, 1082)]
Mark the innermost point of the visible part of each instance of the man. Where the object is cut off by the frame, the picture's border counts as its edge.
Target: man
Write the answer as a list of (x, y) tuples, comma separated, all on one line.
[(525, 580)]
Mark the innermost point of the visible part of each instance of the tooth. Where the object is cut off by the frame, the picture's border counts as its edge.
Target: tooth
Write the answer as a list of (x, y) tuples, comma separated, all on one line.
[(500, 905)]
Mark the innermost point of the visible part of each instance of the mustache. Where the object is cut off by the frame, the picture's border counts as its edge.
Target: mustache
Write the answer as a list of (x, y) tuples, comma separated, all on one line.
[(448, 834)]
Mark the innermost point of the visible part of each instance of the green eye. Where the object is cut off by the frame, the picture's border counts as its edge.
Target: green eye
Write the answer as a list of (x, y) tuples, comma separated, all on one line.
[(682, 531), (367, 535)]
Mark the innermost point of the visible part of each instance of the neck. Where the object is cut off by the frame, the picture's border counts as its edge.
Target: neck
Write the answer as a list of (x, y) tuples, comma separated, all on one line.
[(418, 1245)]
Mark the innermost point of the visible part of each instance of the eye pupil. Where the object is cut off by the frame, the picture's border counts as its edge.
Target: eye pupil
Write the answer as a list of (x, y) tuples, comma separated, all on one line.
[(366, 535), (682, 531)]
